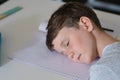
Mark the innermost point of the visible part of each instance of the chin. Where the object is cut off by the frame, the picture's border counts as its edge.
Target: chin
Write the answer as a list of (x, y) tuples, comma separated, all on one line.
[(89, 61)]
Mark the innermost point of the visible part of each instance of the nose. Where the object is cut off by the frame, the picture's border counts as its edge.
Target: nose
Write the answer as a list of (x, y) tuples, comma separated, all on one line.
[(70, 53)]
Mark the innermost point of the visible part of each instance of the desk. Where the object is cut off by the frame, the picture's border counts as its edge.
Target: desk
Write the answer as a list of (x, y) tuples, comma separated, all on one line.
[(15, 70), (18, 29)]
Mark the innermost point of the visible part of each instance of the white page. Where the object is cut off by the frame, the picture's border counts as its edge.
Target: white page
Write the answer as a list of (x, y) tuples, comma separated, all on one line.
[(39, 55)]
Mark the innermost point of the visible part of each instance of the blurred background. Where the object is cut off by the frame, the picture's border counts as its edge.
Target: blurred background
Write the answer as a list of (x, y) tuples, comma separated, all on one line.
[(112, 6), (2, 1)]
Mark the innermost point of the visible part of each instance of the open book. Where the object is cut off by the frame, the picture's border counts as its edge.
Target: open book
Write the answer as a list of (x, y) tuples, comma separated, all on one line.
[(38, 55)]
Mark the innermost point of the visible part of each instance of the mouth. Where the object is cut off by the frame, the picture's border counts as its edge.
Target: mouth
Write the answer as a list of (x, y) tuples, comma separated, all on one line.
[(78, 58)]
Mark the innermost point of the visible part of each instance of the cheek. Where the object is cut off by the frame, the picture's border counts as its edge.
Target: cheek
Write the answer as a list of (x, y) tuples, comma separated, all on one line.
[(87, 47), (88, 42), (77, 45), (80, 43)]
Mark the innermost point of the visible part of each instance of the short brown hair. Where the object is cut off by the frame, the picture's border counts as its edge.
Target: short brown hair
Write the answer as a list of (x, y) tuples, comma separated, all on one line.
[(68, 15)]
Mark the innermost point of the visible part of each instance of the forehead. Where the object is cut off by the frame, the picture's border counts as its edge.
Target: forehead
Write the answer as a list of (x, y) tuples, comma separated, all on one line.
[(61, 35)]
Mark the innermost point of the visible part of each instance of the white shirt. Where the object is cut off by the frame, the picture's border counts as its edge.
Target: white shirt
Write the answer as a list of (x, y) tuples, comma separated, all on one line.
[(108, 66)]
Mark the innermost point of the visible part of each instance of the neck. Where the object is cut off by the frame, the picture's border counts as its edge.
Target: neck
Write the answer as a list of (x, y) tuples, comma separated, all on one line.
[(102, 40)]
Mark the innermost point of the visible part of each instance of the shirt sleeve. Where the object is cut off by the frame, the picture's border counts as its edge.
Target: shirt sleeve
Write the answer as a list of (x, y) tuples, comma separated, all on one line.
[(100, 72)]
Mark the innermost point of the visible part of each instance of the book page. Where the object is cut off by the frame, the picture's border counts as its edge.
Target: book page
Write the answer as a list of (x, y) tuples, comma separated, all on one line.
[(39, 55)]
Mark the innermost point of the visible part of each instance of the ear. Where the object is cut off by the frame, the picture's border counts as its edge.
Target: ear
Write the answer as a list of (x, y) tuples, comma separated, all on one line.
[(86, 23)]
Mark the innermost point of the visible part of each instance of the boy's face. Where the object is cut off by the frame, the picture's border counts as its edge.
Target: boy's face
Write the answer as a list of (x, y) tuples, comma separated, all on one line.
[(76, 43)]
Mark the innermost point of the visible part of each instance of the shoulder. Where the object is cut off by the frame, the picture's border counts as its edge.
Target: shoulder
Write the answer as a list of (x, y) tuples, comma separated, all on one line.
[(107, 67), (111, 49), (102, 72)]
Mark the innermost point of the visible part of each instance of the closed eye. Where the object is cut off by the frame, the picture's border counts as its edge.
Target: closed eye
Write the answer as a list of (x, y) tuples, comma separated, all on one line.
[(67, 44)]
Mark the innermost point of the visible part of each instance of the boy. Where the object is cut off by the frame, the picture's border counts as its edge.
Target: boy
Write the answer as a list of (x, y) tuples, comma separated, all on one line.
[(75, 31)]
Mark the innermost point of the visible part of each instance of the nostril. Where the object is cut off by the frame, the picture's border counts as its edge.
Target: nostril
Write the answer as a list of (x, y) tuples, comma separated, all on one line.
[(71, 55)]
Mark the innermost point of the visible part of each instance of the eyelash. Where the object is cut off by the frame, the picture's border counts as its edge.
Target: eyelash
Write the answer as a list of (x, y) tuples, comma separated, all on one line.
[(67, 44)]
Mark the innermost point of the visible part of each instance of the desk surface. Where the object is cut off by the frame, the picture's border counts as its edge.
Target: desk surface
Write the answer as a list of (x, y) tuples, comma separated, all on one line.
[(18, 28), (15, 70), (17, 31)]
